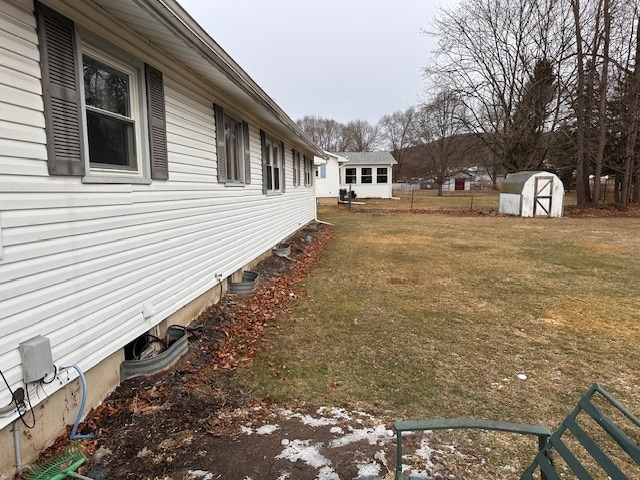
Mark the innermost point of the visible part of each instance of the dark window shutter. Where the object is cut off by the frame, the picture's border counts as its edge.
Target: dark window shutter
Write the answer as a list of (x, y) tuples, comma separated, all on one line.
[(221, 144), (157, 123), (293, 165), (284, 162), (263, 143), (247, 153), (61, 92)]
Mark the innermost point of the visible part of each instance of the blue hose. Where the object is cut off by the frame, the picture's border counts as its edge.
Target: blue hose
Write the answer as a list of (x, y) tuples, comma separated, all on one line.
[(74, 431)]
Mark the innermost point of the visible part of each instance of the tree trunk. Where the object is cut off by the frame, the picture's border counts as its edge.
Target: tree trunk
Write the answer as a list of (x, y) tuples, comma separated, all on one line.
[(632, 132), (602, 108), (440, 188), (580, 109)]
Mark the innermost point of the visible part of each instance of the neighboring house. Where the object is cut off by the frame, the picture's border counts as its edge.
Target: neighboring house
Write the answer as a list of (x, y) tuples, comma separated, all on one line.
[(458, 182), (328, 178), (140, 167), (369, 174)]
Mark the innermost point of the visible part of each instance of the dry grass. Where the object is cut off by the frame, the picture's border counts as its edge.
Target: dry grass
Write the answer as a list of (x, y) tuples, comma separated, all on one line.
[(421, 316)]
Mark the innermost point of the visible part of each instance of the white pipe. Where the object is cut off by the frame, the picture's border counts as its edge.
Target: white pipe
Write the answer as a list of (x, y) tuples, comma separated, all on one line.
[(323, 223)]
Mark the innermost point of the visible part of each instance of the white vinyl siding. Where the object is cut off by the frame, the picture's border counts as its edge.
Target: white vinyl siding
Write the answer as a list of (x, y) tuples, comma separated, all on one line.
[(329, 186), (79, 260)]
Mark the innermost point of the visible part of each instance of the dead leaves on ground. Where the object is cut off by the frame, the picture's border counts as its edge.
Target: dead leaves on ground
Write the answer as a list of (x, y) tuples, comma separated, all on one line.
[(248, 316)]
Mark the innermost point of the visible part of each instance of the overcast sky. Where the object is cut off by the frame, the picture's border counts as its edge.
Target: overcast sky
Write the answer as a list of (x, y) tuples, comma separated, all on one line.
[(341, 59)]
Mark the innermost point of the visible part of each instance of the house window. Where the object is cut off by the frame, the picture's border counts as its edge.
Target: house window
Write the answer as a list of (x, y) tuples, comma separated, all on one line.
[(232, 144), (367, 175), (111, 115), (308, 165), (296, 168), (350, 175), (93, 106), (382, 176), (273, 158), (322, 171)]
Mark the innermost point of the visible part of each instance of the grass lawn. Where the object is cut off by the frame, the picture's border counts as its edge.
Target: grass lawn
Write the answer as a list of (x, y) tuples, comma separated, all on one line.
[(427, 316)]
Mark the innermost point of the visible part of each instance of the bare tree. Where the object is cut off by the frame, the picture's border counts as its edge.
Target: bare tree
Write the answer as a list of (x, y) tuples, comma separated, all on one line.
[(327, 133), (439, 128), (488, 53), (360, 136), (398, 130)]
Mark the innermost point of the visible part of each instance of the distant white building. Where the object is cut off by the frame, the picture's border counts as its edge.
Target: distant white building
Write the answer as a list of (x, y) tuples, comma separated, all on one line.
[(328, 178), (460, 181), (369, 174)]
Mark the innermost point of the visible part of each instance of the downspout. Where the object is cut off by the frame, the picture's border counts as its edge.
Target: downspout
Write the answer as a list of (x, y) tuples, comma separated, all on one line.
[(16, 444), (17, 398)]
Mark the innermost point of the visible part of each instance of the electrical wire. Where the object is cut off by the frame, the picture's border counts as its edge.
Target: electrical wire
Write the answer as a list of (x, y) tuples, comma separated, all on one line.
[(13, 397), (55, 375)]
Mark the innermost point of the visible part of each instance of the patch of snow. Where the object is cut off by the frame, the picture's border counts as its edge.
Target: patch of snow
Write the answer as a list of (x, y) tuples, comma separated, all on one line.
[(368, 470), (416, 473), (246, 430), (284, 476), (522, 376), (372, 435), (327, 473), (309, 420), (302, 450), (336, 430), (201, 474), (267, 429)]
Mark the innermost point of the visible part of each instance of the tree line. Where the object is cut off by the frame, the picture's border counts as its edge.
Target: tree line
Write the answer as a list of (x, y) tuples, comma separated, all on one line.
[(531, 84)]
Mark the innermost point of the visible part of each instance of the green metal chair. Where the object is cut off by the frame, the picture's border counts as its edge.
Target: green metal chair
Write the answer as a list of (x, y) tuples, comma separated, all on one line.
[(591, 453)]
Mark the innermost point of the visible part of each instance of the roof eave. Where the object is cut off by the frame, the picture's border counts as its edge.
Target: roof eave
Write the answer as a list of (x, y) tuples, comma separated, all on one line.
[(180, 22)]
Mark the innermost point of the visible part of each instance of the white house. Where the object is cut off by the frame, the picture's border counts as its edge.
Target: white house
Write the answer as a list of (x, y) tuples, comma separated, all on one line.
[(532, 194), (328, 178), (140, 167), (369, 174)]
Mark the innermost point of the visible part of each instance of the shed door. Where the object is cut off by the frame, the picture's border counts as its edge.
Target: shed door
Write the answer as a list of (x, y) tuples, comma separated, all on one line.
[(459, 185), (543, 196)]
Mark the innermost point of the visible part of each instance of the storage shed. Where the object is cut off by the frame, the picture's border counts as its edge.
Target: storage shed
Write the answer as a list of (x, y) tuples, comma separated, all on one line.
[(532, 194)]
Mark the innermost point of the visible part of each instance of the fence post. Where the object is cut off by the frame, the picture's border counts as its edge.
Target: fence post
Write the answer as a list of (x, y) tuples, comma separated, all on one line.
[(413, 189)]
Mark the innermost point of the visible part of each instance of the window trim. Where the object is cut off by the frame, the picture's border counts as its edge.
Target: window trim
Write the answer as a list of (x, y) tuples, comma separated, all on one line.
[(105, 52)]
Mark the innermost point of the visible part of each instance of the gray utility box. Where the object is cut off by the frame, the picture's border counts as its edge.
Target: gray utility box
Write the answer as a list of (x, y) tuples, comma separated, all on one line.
[(37, 361)]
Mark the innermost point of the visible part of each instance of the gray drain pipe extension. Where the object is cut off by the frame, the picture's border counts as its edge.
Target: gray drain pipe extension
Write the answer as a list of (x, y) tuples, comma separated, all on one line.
[(16, 444), (74, 431)]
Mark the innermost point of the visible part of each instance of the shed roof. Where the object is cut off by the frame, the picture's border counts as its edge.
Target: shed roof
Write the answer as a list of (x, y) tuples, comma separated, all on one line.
[(514, 183), (368, 158)]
